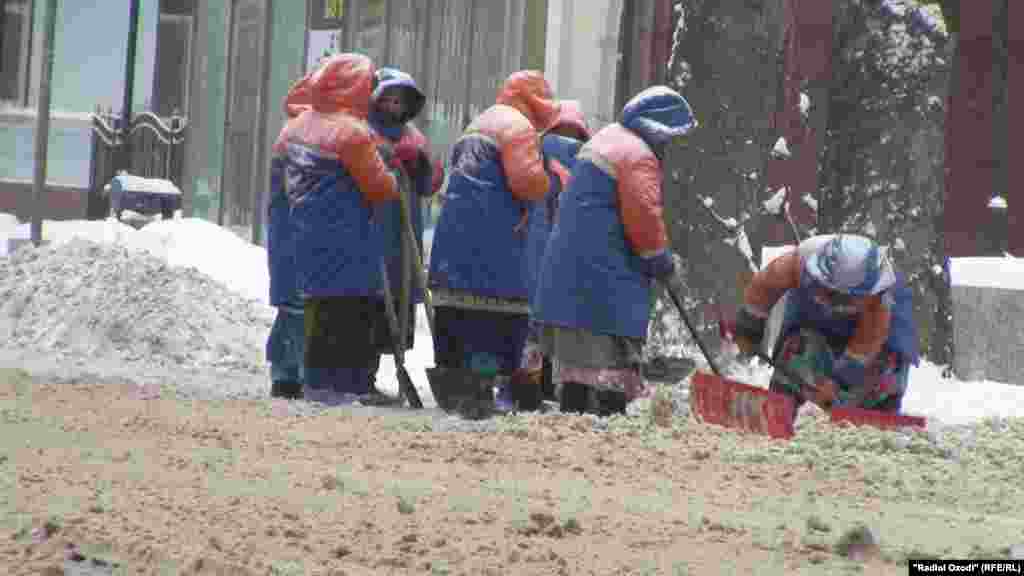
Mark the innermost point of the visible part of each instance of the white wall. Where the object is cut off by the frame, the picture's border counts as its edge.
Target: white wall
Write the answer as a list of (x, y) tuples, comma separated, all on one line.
[(581, 50)]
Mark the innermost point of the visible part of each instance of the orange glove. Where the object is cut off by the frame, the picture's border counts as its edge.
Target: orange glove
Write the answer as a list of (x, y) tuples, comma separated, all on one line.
[(406, 156), (824, 394)]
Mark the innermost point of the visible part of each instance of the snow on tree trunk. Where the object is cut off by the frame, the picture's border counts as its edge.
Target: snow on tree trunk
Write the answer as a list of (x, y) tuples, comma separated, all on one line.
[(807, 65), (724, 60)]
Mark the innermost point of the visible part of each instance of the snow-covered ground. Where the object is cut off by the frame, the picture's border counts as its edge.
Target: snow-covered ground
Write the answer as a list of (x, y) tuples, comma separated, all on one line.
[(242, 268)]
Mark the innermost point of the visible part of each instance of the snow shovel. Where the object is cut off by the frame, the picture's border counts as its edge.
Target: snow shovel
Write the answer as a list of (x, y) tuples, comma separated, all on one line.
[(412, 248), (850, 414), (715, 399), (405, 386), (837, 414), (455, 390)]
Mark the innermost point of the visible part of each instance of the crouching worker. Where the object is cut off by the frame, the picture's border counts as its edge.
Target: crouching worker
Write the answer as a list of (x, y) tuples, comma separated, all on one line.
[(608, 247), (335, 177), (395, 102), (285, 344), (847, 326), (560, 145), (476, 264)]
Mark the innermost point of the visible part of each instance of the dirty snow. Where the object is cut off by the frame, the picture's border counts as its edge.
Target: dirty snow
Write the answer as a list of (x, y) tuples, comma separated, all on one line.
[(177, 295), (83, 299), (235, 263), (805, 104)]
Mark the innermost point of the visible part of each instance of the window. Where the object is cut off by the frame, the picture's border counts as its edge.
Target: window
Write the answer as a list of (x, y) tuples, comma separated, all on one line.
[(173, 55), (15, 50)]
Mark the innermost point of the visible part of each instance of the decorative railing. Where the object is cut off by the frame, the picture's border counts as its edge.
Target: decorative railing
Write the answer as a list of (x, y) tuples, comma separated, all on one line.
[(155, 148)]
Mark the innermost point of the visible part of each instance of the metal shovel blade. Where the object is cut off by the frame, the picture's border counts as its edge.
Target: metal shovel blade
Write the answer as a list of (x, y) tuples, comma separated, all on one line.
[(718, 400)]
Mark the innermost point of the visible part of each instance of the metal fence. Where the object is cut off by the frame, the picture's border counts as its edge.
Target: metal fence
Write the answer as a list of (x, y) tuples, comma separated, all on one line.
[(156, 148), (459, 51)]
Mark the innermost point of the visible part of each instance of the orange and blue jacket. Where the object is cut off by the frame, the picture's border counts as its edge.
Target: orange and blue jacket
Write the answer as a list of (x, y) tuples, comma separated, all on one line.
[(332, 175), (882, 322), (495, 172), (609, 241), (559, 152), (425, 174)]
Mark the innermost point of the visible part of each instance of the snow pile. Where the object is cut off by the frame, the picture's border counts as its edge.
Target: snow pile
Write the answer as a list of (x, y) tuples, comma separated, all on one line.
[(57, 232), (101, 301), (191, 242), (215, 251), (1006, 273), (146, 185)]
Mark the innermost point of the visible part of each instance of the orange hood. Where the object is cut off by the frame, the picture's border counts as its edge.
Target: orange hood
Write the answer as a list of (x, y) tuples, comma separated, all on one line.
[(342, 83), (299, 98), (528, 92), (570, 114)]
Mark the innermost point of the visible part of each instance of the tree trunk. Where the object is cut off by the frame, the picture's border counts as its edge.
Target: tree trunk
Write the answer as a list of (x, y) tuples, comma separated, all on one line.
[(807, 68), (1015, 121), (969, 135)]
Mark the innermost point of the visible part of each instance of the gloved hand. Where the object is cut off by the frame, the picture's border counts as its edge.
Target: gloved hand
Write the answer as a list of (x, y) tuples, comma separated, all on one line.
[(849, 371), (661, 267), (406, 156), (749, 331), (825, 394)]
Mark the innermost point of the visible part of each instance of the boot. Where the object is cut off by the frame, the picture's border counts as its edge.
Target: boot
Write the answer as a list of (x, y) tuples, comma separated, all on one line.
[(462, 391), (334, 386), (290, 390), (574, 398), (611, 402), (527, 393), (547, 383)]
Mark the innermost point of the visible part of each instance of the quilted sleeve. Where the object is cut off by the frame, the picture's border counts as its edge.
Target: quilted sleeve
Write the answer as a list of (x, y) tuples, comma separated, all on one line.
[(768, 285), (519, 145), (358, 152), (872, 329)]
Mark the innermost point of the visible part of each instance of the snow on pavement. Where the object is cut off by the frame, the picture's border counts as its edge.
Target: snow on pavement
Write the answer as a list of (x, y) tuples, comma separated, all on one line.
[(242, 267)]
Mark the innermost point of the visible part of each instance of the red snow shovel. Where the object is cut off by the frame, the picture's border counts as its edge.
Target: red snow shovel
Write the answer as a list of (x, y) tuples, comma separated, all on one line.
[(717, 400), (839, 414), (874, 418)]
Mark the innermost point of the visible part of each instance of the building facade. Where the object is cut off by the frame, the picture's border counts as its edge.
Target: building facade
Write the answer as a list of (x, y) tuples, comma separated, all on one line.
[(226, 65)]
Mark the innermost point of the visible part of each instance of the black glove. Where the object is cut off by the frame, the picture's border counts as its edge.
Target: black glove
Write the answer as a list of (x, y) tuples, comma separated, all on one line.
[(749, 331), (674, 282)]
